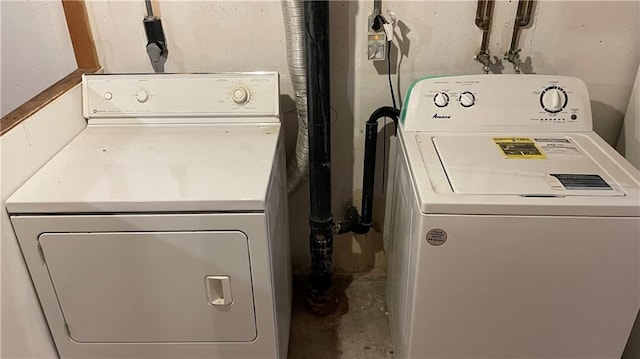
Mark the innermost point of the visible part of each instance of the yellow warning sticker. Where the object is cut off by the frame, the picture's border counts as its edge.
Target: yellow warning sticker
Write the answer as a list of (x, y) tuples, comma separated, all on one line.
[(519, 148)]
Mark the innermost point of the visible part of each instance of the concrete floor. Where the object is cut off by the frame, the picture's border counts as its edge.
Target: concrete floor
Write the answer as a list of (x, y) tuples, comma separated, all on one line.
[(358, 329)]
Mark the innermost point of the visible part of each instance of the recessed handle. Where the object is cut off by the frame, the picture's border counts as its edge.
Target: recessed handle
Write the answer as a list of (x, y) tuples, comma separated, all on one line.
[(218, 288)]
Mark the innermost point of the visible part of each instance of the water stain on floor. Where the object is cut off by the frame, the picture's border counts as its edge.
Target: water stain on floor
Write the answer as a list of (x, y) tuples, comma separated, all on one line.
[(358, 329)]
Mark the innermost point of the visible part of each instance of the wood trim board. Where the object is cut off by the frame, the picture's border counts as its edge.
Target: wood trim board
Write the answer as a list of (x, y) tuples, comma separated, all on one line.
[(86, 58), (13, 118), (84, 48)]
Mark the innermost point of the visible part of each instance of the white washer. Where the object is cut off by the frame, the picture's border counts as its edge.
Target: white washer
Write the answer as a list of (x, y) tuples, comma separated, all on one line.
[(161, 230), (515, 229)]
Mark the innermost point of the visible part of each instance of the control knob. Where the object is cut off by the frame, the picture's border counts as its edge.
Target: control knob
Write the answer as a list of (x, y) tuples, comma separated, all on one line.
[(142, 96), (240, 95), (553, 99), (467, 99), (441, 99)]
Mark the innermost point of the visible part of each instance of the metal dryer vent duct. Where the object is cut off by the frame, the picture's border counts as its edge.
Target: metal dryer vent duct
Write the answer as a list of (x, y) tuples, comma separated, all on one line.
[(293, 14)]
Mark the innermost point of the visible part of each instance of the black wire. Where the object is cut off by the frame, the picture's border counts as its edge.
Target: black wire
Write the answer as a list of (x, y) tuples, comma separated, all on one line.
[(384, 153), (393, 100), (393, 96)]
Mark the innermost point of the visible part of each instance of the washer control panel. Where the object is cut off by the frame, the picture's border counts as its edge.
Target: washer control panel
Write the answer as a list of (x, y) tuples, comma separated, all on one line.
[(497, 102), (167, 97)]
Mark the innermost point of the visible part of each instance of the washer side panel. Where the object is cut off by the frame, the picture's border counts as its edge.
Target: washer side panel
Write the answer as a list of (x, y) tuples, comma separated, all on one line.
[(524, 286)]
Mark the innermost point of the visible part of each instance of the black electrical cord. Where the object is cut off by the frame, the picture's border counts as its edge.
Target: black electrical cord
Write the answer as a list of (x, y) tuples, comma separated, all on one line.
[(393, 100), (393, 96), (378, 24), (384, 150)]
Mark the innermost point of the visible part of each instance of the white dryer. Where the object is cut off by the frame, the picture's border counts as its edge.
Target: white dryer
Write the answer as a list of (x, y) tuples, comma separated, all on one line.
[(515, 229), (161, 230)]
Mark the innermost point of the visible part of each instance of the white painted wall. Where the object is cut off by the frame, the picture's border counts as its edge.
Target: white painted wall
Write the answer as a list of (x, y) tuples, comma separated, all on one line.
[(629, 141), (36, 49), (597, 41), (24, 150)]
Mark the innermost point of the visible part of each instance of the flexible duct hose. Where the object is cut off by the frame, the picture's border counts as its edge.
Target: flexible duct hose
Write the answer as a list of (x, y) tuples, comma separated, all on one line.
[(293, 14)]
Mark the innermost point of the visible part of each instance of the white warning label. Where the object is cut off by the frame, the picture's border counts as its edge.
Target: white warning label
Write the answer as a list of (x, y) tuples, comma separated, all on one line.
[(559, 148)]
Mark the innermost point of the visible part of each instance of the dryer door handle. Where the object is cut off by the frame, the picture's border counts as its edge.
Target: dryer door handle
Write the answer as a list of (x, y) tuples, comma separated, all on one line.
[(218, 288)]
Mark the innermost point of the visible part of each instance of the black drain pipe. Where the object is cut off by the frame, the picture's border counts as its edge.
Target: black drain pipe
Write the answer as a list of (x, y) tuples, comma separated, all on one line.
[(321, 300), (371, 138), (316, 19), (353, 222)]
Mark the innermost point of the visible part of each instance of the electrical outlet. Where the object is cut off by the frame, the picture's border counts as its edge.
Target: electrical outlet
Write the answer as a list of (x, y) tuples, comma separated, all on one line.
[(376, 46), (379, 33)]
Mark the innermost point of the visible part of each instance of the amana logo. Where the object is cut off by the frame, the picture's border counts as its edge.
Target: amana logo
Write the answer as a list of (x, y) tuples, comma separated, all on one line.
[(440, 117)]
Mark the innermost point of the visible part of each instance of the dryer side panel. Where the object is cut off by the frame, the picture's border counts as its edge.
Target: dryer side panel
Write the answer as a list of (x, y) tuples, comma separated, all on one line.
[(280, 249)]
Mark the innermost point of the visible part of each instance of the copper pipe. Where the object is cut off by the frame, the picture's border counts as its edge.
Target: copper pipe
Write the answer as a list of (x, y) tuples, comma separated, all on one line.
[(523, 18), (484, 13)]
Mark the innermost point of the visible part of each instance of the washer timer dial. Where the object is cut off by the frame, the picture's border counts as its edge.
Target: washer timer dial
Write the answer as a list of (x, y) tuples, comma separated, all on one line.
[(553, 99)]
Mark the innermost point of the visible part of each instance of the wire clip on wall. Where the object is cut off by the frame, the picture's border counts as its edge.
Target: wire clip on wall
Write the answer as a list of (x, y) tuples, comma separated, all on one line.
[(156, 42)]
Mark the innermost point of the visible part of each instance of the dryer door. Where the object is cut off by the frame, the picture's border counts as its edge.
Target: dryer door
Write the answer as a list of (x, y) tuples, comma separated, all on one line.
[(153, 286)]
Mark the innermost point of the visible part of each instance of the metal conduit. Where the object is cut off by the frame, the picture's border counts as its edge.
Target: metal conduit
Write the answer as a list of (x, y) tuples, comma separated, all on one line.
[(147, 3)]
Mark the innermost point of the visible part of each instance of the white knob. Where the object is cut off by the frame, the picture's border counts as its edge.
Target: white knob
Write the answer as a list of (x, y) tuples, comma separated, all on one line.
[(108, 96), (467, 99), (240, 95), (553, 99), (441, 99), (142, 96)]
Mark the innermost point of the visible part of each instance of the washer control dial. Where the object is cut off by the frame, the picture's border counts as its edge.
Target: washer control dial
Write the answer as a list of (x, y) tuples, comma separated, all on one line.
[(142, 96), (467, 99), (441, 99), (553, 99), (240, 95)]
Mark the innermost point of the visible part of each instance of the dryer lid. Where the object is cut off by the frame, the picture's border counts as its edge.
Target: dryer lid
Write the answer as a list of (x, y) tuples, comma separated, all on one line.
[(535, 166), (156, 168)]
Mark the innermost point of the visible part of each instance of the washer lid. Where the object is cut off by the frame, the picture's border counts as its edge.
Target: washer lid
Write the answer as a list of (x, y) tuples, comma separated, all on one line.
[(540, 166), (158, 168)]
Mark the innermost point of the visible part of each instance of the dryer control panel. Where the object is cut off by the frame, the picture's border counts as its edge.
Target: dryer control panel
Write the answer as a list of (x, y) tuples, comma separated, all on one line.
[(166, 98), (497, 103)]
